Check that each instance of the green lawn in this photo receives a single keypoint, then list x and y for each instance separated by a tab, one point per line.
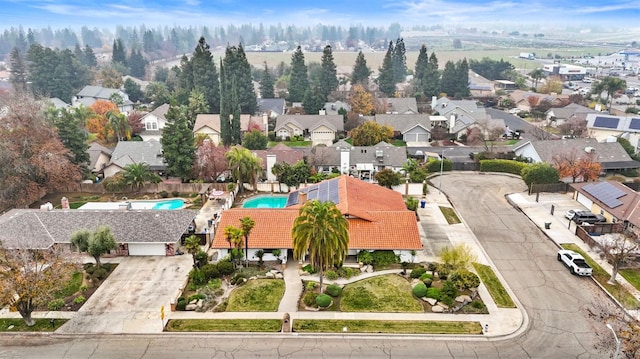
72	287
291	143
399	143
602	276
386	326
632	276
224	325
387	293
495	288
450	215
42	325
258	295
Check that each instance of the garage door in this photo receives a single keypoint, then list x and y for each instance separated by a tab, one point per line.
146	249
584	201
423	137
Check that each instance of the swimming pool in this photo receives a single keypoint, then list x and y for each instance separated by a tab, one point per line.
168	204
266	202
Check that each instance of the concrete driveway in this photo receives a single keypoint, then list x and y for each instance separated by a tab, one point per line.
129	301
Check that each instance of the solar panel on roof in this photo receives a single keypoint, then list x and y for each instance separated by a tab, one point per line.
606	193
606	122
635	124
292	199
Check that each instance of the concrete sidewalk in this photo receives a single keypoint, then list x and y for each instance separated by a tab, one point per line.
561	230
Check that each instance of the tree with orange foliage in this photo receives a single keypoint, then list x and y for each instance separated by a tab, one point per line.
361	101
98	122
569	164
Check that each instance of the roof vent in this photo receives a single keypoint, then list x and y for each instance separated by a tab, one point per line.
589	150
379	153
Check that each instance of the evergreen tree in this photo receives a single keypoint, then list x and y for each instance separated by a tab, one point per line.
449	74
385	80
178	145
70	124
313	100
238	72
420	71
431	81
201	73
299	80
267	84
361	71
328	78
118	53
89	57
225	108
462	85
399	59
133	90
18	71
137	64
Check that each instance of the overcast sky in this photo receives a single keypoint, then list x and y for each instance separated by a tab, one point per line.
76	13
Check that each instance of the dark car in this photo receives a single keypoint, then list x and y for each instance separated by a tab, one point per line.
581	217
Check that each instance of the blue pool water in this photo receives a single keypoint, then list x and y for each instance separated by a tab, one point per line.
266	202
170	204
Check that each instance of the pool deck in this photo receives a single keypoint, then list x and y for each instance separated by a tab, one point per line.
135	205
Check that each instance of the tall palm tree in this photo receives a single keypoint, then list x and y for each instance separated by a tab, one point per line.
119	124
536	75
243	165
246	224
233	235
137	174
192	245
322	231
611	85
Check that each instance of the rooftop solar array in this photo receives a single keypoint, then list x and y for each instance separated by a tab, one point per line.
606	122
634	124
606	193
323	191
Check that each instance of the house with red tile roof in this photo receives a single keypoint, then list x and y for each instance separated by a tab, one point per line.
378	220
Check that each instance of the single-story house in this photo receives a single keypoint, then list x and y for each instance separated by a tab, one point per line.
99	157
615	201
399	105
412	127
273	107
90	94
279	153
378	220
604	127
332	108
209	124
524	99
128	152
139	232
568	112
610	155
358	161
319	129
154	122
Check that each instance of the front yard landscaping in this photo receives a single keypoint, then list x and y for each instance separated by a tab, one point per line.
224	325
80	288
450	215
257	295
602	277
42	325
386	326
495	288
387	293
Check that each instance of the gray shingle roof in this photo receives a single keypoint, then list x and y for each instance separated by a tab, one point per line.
102	93
569	111
41	229
276	105
400	104
393	156
310	121
127	152
405	122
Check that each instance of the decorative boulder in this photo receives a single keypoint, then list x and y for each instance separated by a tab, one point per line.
431	301
279	276
191	307
437	309
270	275
463	299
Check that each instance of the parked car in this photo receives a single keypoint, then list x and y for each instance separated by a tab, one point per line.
581	217
570	213
575	262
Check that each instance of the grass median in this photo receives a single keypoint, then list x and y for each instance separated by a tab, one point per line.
386	326
11	325
450	215
601	276
224	325
494	286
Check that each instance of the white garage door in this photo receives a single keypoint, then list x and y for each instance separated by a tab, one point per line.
146	249
584	201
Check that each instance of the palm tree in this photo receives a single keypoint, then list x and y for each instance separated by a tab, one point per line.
244	166
233	235
246	224
192	245
278	171
137	174
536	75
611	85
119	124
322	231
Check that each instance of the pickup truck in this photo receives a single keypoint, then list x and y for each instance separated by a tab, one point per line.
575	262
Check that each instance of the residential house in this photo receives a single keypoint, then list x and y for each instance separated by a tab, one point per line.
209	124
273	107
128	152
319	129
361	162
572	111
333	108
139	232
480	86
58	103
90	94
610	155
142	83
412	127
605	127
399	105
525	100
615	201
378	220
154	122
99	157
279	153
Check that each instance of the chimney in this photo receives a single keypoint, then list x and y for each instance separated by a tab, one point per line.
434	101
452	123
265	124
302	197
322	112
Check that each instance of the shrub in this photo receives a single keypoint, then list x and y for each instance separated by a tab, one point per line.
433	293
201	258
83	288
427	282
214	283
225	267
426	276
175	193
420	290
447	300
195	297
432	266
417	272
181	304
210	271
309	299
311	286
334	290
79	299
331	275
507	166
164	194
323	300
443	272
449	289
476	304
384	258
309	269
56	304
99	274
365	257
346	272
197	277
464	279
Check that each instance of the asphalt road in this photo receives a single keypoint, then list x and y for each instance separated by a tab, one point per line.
556	303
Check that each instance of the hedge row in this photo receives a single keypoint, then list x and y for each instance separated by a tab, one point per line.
506	166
